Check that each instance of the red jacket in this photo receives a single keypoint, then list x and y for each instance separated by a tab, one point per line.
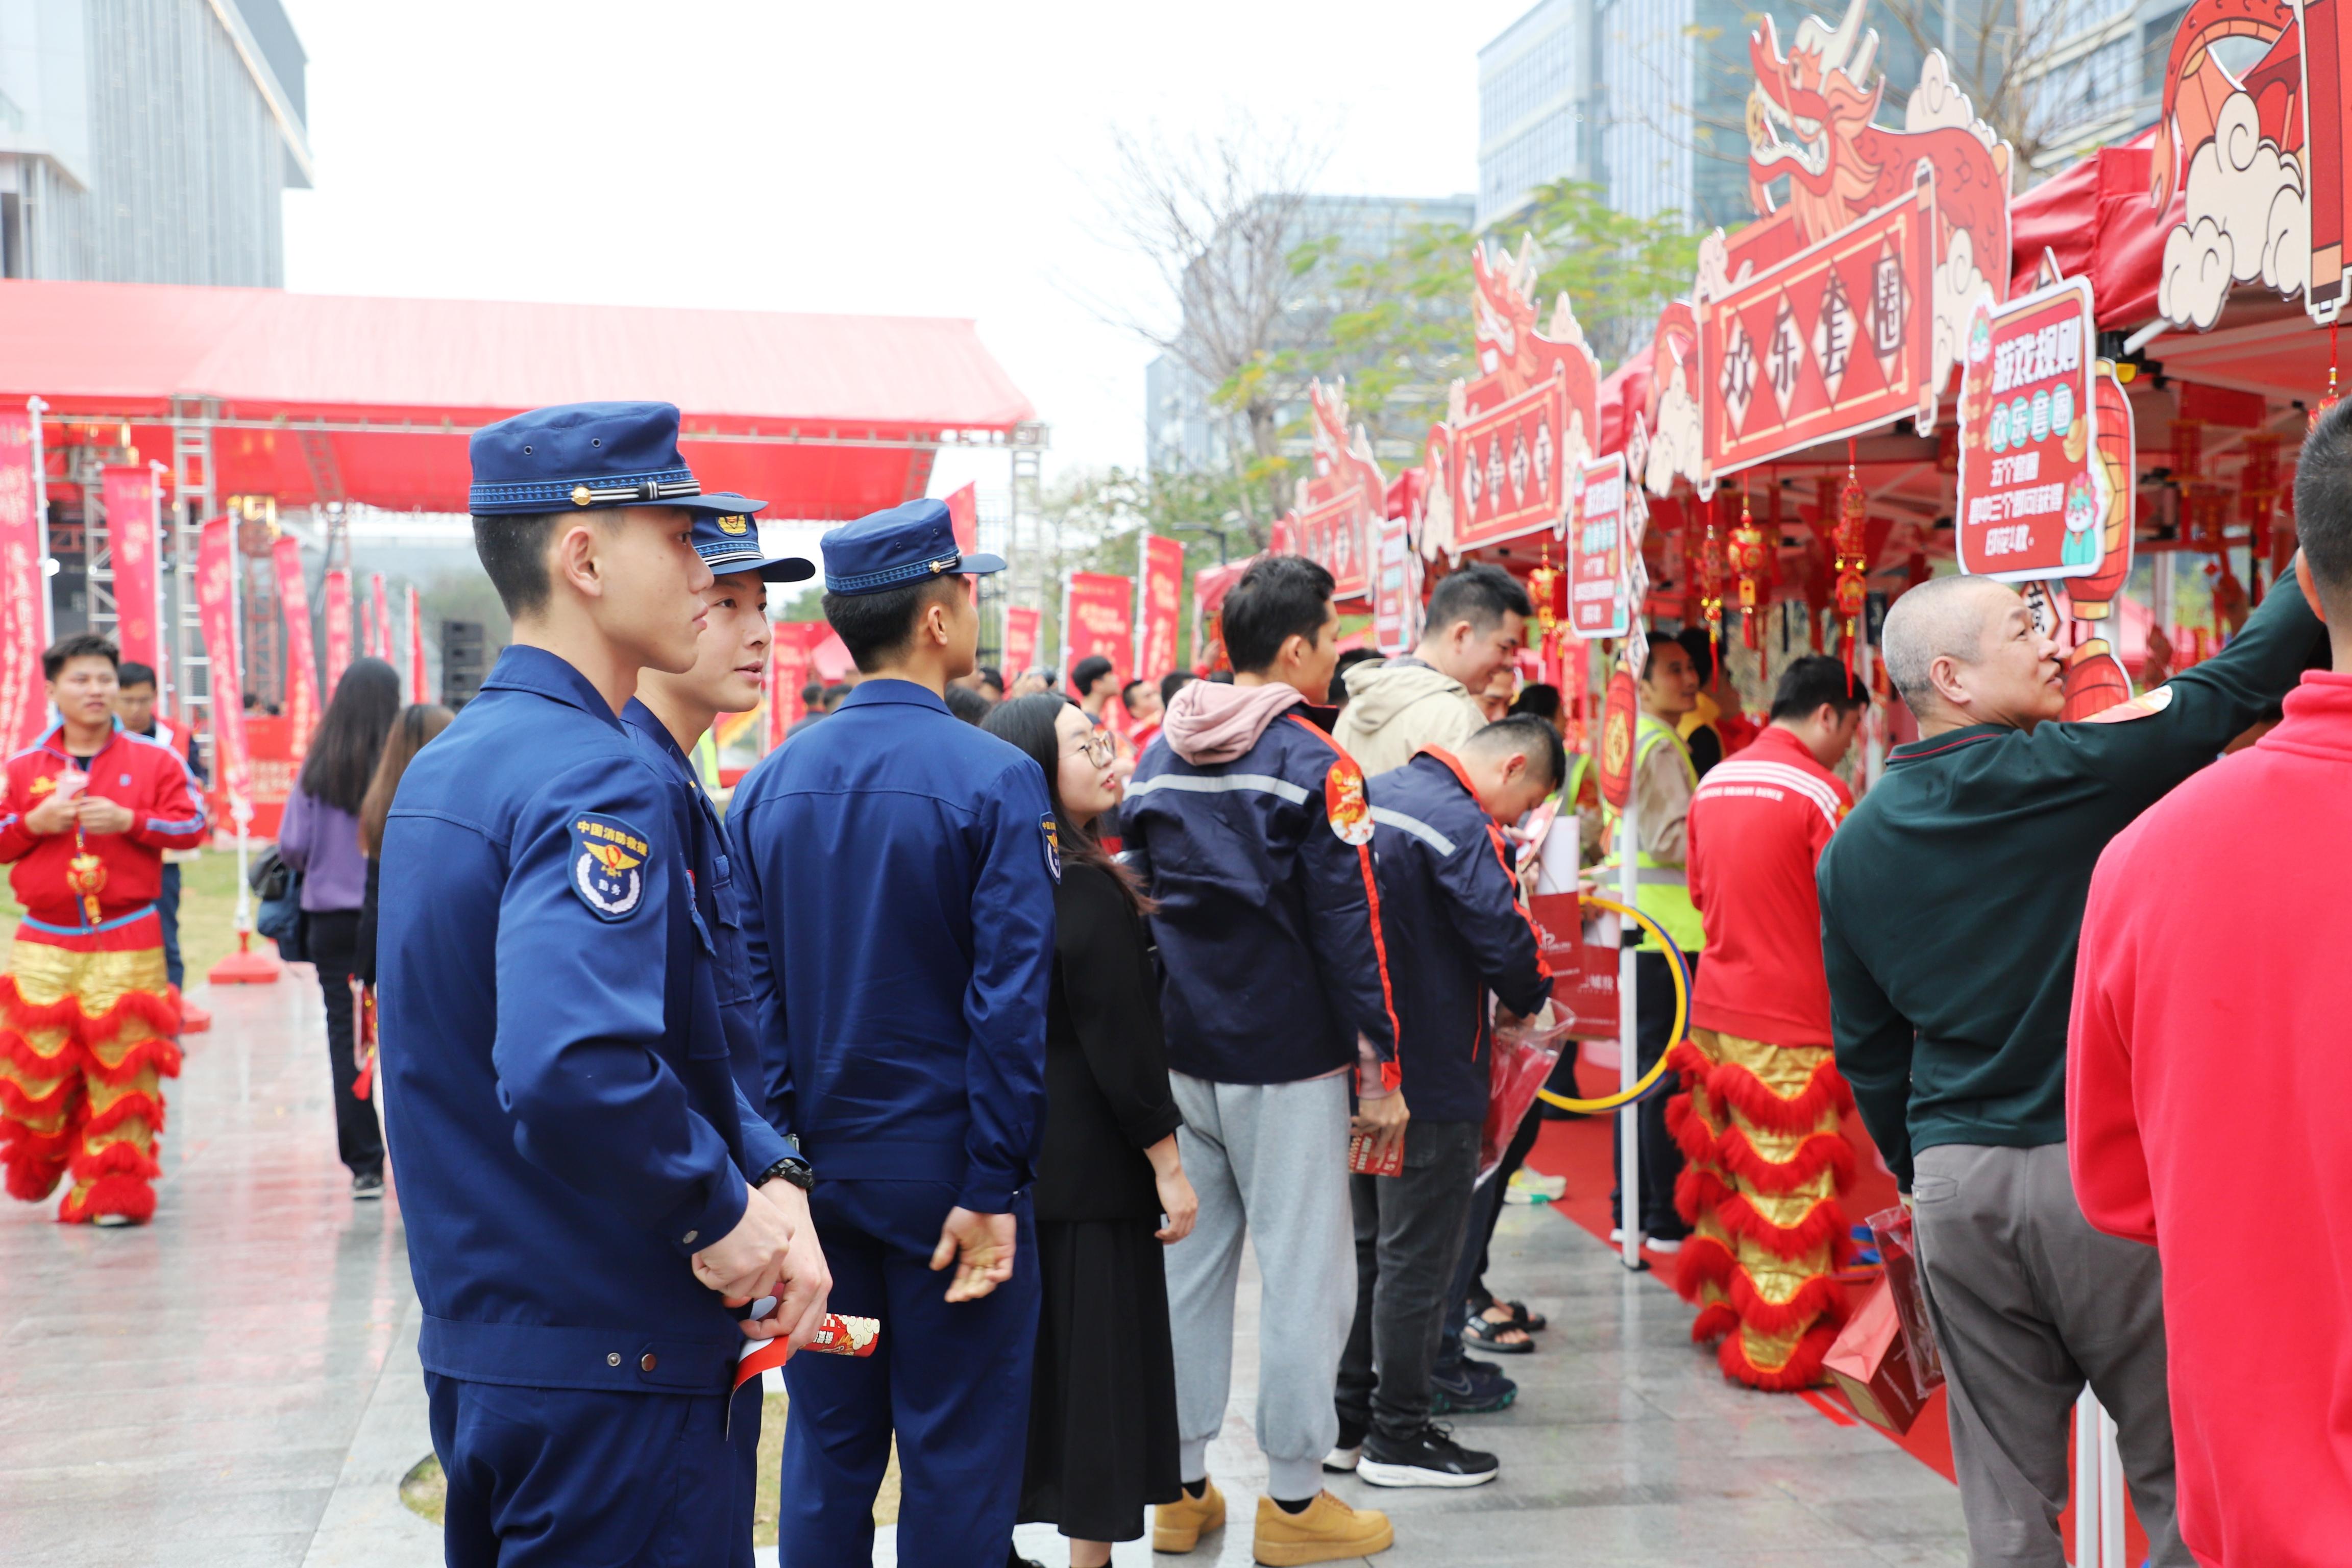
2206	1090
147	777
1757	824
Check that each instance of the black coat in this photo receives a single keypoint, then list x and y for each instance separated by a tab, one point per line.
1106	1096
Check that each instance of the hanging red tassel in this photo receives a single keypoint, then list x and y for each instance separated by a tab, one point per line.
1852	569
2319	410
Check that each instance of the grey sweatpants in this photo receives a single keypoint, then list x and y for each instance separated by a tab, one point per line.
1271	1161
2030	1303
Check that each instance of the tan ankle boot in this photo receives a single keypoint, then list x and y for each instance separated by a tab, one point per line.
1177	1526
1326	1530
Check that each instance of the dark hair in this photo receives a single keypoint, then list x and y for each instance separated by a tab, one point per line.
350	742
1701	648
834	693
1086	672
1127	693
1657	644
1540	697
418	722
990	675
1350	659
2322	499
1281	597
81	645
1028	724
1812	681
513	551
812	693
967	704
873	627
1526	733
1481	595
130	672
1174	681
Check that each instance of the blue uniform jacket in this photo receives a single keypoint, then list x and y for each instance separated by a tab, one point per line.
719	914
561	1104
1446	878
899	866
1269	923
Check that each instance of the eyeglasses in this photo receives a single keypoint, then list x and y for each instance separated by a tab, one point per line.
1101	748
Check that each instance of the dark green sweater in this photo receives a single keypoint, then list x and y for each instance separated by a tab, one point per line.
1952	897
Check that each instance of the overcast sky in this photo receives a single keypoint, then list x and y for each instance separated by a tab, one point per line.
917	159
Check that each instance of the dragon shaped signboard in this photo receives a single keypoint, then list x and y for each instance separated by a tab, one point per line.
1499	464
1336	516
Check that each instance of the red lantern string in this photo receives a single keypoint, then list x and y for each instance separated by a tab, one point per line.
1853	579
2320	410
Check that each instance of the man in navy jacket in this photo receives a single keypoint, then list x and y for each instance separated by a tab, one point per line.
1250	827
1445	879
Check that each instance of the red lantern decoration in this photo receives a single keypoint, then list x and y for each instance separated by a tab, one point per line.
1710	586
2319	410
1749	559
1853	568
2188	450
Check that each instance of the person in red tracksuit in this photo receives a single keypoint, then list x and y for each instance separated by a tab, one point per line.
87	1015
1758	1120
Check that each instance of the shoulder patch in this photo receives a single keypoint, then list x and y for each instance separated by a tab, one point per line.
1052	832
2145	705
1343	802
608	865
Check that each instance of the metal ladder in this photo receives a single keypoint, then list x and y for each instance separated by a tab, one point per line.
194	501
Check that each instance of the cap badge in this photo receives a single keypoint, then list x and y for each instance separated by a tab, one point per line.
582	495
734	525
944	564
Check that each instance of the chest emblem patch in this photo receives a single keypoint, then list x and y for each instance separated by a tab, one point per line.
608	865
1052	832
1343	802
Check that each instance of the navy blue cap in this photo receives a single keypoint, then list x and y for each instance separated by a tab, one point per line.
579	456
891	549
729	542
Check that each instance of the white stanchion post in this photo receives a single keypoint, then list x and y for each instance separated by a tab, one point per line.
2087	1417
2111	1493
1629	1063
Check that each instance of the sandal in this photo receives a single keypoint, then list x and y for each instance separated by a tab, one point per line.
1489	1336
1520	1316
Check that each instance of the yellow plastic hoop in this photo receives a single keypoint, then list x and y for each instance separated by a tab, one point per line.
1681	1019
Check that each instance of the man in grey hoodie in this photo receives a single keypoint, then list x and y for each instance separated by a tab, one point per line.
1478	620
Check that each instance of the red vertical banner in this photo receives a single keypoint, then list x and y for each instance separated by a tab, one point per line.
128	495
1020	643
1097	617
379	638
964	516
217	619
339	627
1391	616
418	691
788	671
1160	590
23	703
303	706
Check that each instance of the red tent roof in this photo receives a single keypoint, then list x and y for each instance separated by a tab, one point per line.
2095	218
816	414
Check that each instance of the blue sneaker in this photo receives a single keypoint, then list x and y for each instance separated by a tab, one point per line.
1474	1388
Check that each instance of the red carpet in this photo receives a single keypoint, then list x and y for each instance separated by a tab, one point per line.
1578	1151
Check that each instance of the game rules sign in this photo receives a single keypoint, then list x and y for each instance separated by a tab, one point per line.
2033	493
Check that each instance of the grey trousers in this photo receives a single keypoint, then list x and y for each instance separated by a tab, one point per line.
2030	1303
1269	1161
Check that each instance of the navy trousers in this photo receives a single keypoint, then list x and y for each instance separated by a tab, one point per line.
952	1381
167	915
560	1477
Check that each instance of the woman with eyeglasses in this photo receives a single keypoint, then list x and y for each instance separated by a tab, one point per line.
1111	1187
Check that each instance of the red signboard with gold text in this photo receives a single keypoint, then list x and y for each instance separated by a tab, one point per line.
1506	469
2033	493
1020	643
1159	589
1836	341
24	706
1097	617
1339	508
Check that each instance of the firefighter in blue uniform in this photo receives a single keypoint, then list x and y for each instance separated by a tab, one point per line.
901	866
589	1201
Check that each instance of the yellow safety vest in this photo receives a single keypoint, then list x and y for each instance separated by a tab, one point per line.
1661	892
705	758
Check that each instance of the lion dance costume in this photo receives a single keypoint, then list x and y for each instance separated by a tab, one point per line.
88	1019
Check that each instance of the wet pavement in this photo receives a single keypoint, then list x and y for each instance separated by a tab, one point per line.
236	1383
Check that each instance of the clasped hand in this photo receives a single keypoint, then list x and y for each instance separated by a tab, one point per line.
771	1252
95	813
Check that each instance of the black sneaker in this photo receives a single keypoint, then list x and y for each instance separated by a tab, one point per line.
368	1185
1429	1457
1345	1453
1474	1388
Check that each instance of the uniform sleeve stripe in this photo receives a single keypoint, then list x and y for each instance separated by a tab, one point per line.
1389	817
157	825
1221	784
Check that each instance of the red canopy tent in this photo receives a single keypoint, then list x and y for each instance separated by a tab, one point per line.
311	398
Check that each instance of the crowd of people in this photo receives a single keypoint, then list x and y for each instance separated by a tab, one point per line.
1005	1028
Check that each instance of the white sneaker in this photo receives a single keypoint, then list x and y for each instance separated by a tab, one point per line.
1339	1461
1656	1244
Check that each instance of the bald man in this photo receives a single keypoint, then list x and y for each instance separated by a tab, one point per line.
1951	905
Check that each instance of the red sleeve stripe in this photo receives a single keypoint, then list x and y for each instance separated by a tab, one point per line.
1495	838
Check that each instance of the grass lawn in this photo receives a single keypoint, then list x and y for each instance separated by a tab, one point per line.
424	1491
207	910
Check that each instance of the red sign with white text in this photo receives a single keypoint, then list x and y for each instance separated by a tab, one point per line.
1391	604
1097	617
379	644
1020	643
128	495
302	707
1596	578
418	691
788	671
2032	496
1159	591
1837	339
217	618
339	627
24	581
1507	467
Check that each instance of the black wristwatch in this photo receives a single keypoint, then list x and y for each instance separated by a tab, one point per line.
791	1168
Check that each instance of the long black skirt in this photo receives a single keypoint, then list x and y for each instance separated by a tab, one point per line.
1102	1412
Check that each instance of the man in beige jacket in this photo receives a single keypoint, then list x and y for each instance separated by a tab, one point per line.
1478	620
